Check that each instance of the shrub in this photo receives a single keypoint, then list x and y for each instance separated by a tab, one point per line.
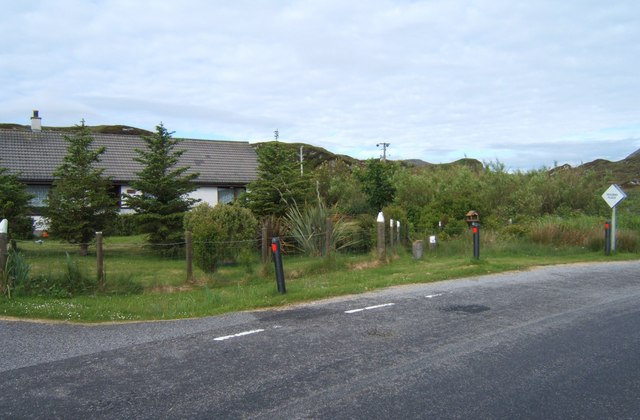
124	225
309	229
220	234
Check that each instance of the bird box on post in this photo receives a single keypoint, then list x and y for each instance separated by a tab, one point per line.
472	217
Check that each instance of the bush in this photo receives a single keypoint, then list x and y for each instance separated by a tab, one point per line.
124	225
220	234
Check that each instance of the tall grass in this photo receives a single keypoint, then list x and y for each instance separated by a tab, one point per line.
16	273
141	285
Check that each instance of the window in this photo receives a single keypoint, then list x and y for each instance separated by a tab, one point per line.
40	192
228	195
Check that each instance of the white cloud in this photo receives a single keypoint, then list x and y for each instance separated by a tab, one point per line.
437	80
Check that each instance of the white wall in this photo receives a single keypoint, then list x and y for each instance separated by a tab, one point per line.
207	195
204	194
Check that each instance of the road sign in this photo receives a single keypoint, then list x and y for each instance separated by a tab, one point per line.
614	195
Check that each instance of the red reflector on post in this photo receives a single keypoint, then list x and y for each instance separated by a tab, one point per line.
475	229
274	247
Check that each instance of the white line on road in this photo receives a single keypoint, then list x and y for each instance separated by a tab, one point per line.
432	296
353	311
226	337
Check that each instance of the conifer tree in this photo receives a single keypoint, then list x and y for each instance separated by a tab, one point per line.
162	197
79	202
279	184
14	204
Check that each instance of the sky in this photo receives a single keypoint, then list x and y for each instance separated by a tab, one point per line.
531	84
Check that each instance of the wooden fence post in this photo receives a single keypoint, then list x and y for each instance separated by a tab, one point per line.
188	249
100	261
265	243
328	236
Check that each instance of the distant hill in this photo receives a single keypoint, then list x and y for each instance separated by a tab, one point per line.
102	129
313	156
625	172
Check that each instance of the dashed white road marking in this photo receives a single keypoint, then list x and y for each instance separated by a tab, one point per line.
240	334
353	311
432	296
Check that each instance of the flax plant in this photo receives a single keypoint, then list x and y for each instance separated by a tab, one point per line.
308	227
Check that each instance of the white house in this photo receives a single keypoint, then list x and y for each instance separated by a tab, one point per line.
225	167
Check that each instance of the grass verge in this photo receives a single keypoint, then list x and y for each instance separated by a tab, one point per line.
234	288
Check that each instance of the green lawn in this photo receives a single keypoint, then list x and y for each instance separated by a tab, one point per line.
167	295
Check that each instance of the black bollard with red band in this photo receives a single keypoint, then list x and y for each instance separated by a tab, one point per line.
607	238
475	228
277	260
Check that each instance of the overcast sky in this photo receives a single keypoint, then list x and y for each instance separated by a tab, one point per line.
529	83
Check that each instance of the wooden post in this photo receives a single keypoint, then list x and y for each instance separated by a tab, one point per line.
265	243
100	261
328	236
3	252
392	227
188	249
381	244
4	230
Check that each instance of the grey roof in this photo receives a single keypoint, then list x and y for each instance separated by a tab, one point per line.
35	156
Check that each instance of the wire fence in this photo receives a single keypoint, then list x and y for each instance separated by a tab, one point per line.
173	262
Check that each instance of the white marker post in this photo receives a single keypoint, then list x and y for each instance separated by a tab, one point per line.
613	196
4	229
381	244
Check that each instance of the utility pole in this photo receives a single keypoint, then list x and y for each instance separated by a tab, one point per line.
384	150
276	134
301	160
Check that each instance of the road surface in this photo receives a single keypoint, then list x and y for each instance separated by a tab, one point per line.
554	342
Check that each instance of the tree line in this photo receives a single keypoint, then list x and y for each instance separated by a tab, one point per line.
426	199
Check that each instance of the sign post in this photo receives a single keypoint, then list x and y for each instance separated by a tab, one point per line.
613	196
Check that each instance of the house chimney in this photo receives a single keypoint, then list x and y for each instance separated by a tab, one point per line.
36	121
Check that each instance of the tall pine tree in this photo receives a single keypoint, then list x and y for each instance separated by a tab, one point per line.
279	184
163	189
79	203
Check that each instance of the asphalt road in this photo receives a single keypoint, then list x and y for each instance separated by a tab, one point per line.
556	342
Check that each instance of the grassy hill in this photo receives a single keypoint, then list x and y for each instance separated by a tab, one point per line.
625	172
102	129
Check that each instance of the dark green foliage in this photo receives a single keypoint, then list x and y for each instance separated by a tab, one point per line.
14	205
279	184
433	194
365	234
123	225
162	189
340	189
79	203
376	179
223	233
